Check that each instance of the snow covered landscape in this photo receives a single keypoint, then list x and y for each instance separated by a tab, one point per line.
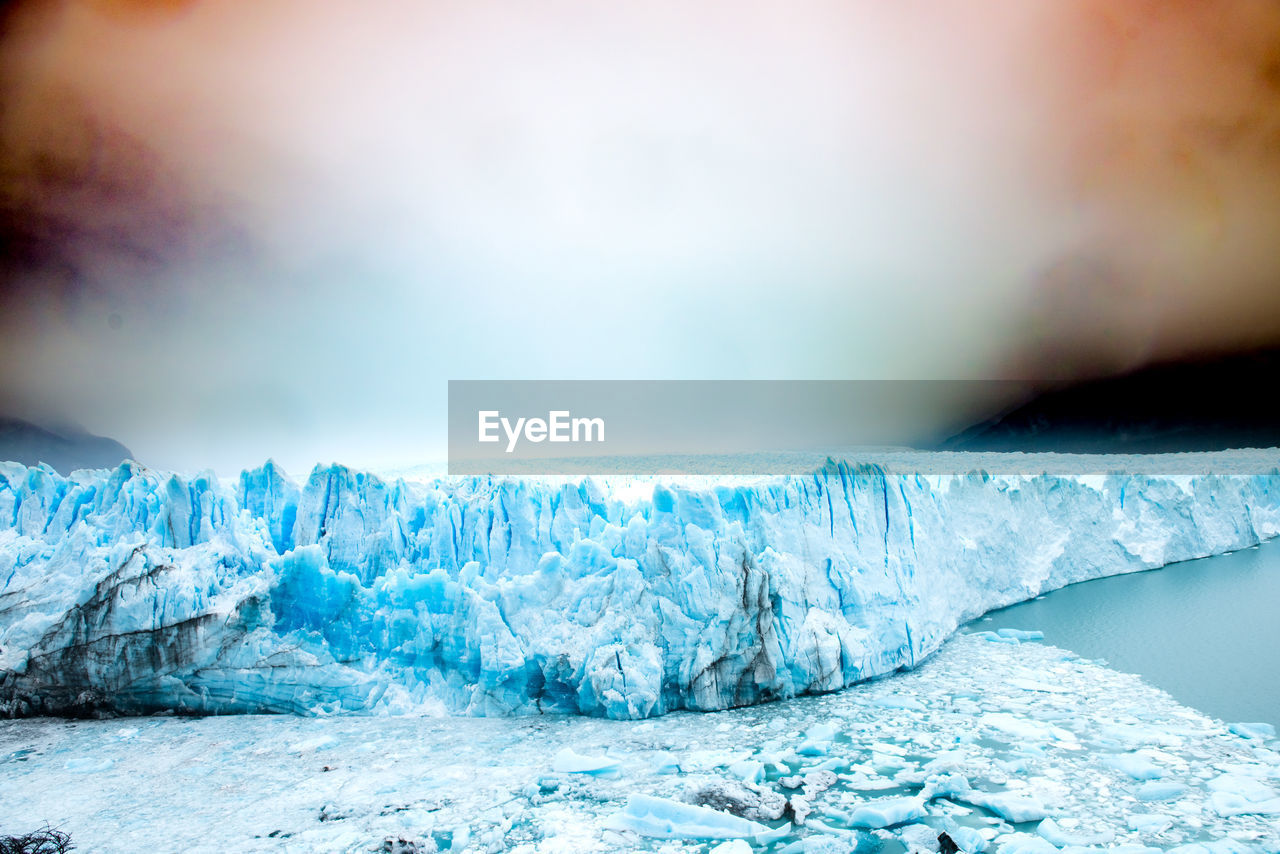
728	428
1005	746
652	659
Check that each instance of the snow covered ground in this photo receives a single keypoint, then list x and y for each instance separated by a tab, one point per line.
1013	747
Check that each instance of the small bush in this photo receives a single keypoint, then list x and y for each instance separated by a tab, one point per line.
46	840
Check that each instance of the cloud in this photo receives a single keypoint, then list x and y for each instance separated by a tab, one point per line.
306	217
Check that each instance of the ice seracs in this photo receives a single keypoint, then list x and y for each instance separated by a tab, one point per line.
136	590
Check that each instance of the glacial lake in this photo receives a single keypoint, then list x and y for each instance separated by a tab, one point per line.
1206	631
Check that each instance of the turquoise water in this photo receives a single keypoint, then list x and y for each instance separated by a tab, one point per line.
1206	631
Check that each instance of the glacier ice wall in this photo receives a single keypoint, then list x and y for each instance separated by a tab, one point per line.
134	590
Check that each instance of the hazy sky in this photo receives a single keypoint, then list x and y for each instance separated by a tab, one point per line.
248	228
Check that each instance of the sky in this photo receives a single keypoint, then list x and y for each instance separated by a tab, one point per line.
236	230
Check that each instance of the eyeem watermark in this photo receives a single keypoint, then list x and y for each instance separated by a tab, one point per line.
764	427
558	426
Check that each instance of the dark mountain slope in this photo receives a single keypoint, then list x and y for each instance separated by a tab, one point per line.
64	450
1208	405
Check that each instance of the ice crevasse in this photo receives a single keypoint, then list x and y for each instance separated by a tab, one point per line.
135	590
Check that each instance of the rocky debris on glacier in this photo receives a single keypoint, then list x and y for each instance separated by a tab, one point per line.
892	777
744	800
135	591
946	845
400	845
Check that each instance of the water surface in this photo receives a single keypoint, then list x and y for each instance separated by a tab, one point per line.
1207	631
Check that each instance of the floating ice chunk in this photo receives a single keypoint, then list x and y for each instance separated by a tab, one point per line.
1149	822
817	740
800	808
1133	736
1220	846
316	743
666	819
823	827
969	840
1035	685
995	638
748	770
954	786
1063	838
1020	634
1020	728
1161	790
733	846
910	778
1137	767
707	760
1261	731
898	701
1025	843
814	780
1007	805
808	845
860	781
888	812
885	762
89	764
664	762
1246	787
948	760
817	781
567	761
1228	804
919	837
773	835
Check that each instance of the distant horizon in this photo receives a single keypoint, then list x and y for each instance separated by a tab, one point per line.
1174	407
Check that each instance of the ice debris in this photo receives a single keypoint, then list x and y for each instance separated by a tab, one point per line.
526	785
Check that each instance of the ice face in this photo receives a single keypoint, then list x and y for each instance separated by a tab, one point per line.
137	590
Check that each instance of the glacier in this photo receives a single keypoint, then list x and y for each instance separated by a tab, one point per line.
134	590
